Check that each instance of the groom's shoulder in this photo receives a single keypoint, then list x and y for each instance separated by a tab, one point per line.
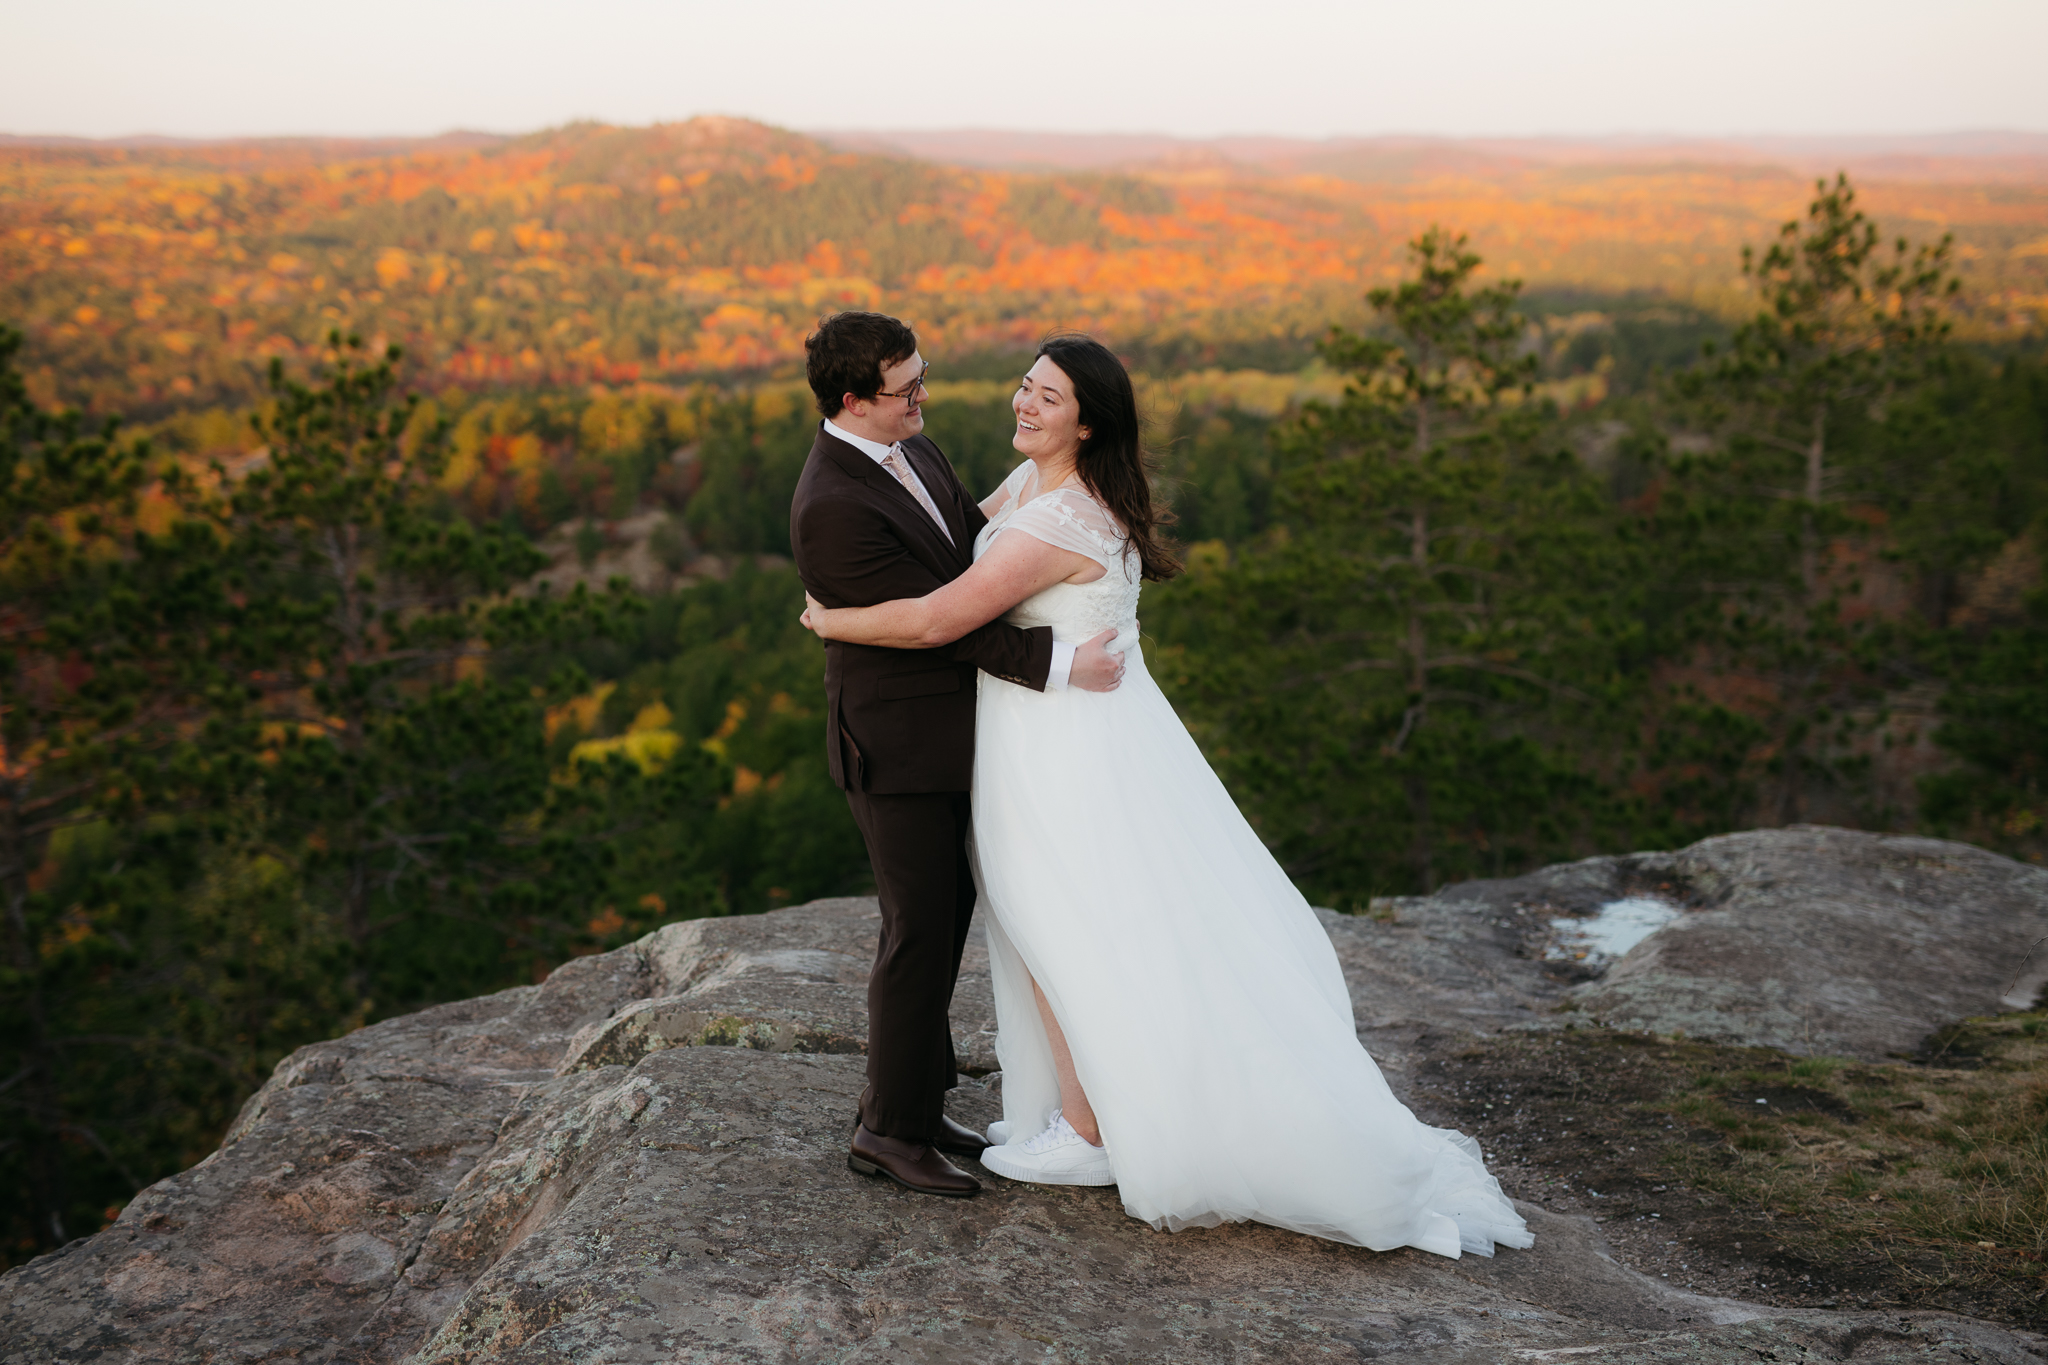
824	463
924	445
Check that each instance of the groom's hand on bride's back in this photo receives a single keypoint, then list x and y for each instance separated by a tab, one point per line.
1096	668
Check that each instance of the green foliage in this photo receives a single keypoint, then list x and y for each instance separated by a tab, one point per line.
1067	210
1477	633
263	969
1768	535
740	679
1994	652
1959	470
1842	328
1218	474
1378	681
1996	719
1633	342
366	613
750	455
97	680
533	460
273	771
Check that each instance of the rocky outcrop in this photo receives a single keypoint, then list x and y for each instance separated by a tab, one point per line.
1813	940
1830	942
643	1160
796	981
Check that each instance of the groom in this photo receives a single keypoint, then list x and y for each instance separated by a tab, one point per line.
878	515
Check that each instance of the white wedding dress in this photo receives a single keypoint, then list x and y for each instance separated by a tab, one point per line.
1207	1015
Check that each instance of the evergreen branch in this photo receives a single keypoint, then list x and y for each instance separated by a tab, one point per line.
143	1042
1484	665
93	1139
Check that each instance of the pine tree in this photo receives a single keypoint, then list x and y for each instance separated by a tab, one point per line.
272	770
1761	535
101	671
1387	668
397	753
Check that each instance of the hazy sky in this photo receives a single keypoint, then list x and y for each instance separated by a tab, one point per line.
1193	67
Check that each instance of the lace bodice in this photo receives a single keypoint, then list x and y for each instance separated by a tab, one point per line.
1069	519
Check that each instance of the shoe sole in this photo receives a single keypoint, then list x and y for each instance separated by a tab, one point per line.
859	1167
1050	1177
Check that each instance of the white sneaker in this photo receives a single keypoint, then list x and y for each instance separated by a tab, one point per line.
1057	1156
999	1132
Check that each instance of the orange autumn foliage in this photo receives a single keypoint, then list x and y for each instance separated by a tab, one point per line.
154	278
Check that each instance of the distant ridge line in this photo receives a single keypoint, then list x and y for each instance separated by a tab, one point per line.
1989	156
1995	154
1073	150
456	139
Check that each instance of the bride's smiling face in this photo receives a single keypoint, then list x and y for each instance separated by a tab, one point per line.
1048	417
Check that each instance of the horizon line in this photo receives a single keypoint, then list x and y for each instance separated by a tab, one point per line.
1611	135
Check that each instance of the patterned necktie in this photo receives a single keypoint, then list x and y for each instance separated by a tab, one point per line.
897	463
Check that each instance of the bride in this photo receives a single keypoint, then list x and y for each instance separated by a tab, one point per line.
1171	1015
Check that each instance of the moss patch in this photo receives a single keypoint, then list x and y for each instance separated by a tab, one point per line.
1743	1171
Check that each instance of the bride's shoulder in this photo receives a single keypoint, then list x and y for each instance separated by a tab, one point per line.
1074	510
1076	499
1068	502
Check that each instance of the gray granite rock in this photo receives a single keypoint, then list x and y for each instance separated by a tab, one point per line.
643	1160
1809	939
1831	942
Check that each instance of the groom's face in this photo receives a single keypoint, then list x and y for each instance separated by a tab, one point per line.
899	414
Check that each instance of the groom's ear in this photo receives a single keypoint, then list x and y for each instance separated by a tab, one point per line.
854	404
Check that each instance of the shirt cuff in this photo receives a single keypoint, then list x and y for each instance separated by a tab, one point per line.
1062	666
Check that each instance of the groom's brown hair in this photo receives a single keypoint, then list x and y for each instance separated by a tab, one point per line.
848	353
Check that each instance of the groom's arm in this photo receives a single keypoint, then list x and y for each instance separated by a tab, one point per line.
1011	653
848	556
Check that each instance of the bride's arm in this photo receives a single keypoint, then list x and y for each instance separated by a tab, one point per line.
1014	568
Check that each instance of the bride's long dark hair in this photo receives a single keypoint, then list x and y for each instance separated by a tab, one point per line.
1113	462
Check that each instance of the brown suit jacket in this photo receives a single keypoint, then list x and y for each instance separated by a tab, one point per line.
899	720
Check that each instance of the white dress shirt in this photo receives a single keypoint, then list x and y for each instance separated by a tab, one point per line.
1062	653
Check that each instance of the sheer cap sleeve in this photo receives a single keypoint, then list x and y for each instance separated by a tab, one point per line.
1068	519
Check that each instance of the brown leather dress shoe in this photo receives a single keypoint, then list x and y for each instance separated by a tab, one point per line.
956	1138
913	1165
959	1139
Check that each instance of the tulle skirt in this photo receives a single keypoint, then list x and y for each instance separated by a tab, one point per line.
1202	1000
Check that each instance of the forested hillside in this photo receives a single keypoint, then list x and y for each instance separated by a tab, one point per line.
319	702
156	278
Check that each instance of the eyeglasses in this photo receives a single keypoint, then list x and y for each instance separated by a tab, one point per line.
909	391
